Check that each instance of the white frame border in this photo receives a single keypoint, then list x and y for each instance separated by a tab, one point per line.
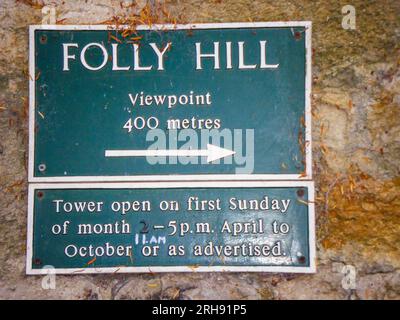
186	177
234	184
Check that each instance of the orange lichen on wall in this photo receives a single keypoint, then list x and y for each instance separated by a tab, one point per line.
369	215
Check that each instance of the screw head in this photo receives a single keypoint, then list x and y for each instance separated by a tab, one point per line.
301	259
300	192
43	39
37	262
42	167
297	35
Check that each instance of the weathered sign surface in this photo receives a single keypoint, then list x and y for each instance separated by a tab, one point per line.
186	102
170	226
173	105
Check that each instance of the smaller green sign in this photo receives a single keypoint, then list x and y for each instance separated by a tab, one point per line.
149	227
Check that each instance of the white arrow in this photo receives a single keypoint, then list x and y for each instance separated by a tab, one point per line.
212	153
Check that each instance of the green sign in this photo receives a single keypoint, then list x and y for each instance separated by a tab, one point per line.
192	102
127	133
160	227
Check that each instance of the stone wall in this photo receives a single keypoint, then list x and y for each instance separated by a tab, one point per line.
356	150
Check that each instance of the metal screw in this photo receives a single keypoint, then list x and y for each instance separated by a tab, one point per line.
302	259
40	194
37	262
297	35
300	192
42	167
43	39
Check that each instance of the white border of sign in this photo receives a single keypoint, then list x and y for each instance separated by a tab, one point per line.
196	177
227	185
